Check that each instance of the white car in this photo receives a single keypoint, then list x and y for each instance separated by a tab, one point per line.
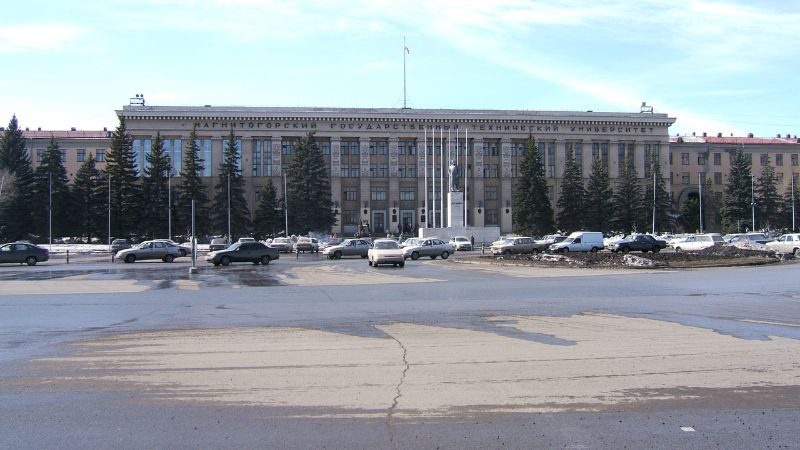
461	243
787	243
698	242
386	251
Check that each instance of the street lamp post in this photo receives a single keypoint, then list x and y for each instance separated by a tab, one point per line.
753	200
108	174
230	238
285	207
50	208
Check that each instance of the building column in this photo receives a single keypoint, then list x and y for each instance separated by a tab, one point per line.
365	181
336	182
393	199
613	159
477	195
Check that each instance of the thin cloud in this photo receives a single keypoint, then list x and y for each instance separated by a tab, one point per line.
26	37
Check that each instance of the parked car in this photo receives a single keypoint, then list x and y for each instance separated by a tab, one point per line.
330	243
751	238
218	244
696	242
580	241
787	243
150	250
119	244
306	244
253	252
185	249
348	247
543	244
461	243
431	247
638	243
284	245
21	252
386	251
515	245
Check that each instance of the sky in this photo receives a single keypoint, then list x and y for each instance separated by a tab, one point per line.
726	67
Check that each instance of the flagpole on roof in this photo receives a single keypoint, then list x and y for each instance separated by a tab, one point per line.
405	51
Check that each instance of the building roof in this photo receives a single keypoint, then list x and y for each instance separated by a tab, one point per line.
737	140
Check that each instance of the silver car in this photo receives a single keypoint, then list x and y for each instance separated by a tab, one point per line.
284	245
150	250
431	247
348	247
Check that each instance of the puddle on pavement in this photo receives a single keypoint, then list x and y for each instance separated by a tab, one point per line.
161	278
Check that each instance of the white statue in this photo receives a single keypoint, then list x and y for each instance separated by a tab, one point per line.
454	173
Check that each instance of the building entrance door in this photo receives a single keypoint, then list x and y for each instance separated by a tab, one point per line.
379	222
407	221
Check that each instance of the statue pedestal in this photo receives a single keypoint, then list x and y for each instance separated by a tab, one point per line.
455	209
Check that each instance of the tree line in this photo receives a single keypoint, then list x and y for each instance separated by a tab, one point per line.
119	202
629	206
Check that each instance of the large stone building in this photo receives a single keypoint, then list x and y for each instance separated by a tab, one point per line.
377	164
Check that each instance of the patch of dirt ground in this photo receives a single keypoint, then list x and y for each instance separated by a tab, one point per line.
718	256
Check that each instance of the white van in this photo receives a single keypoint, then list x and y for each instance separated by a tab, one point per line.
580	241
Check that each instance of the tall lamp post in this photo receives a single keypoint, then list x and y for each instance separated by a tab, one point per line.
108	174
50	208
230	238
753	200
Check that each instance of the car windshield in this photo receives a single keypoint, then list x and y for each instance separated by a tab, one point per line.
235	246
383	245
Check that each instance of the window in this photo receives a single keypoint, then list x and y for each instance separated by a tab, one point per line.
685	177
205	152
577	152
701	159
383	170
81	157
517	148
514	173
717	177
344	171
550	193
779	159
685	159
600	151
262	158
717	159
355	171
350	194
491	148
349	216
378	193
141	147
173	149
324	147
373	148
763	158
794	159
407	148
407	171
491	171
39	155
373	170
407	194
287	146
63	155
490	193
100	155
551	159
779	177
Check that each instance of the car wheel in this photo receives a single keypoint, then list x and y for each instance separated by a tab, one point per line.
565	250
677	249
364	256
445	255
265	260
169	259
337	255
130	259
183	253
225	261
370	263
594	250
506	252
31	260
656	249
534	251
796	252
402	264
433	256
624	249
216	264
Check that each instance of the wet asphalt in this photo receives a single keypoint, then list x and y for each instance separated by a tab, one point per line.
744	302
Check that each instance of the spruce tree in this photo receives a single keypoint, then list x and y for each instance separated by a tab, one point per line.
229	195
155	193
310	207
268	213
89	197
533	212
125	189
191	188
16	172
627	203
570	202
598	206
768	201
689	219
663	202
51	190
736	201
